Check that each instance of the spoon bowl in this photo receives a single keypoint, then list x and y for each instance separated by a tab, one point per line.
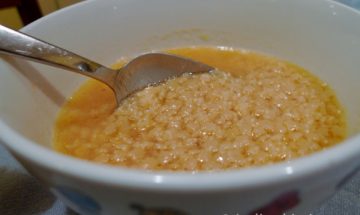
143	71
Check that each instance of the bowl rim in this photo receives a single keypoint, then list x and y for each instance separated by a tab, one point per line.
245	178
106	175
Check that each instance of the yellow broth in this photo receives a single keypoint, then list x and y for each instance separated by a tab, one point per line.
255	110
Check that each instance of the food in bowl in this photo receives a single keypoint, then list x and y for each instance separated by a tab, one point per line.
253	110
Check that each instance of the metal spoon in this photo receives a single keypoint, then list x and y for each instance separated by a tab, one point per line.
139	73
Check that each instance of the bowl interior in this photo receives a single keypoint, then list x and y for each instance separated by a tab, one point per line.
321	36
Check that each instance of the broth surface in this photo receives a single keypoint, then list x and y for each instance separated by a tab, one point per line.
255	110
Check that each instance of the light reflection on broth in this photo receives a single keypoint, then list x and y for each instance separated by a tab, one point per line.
255	110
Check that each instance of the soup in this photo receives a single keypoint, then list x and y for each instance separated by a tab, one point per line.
253	110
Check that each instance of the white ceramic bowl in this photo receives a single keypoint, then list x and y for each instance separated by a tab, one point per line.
319	35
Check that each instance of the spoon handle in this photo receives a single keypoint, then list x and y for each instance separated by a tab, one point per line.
19	44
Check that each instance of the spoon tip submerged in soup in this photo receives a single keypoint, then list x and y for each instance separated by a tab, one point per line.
253	110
